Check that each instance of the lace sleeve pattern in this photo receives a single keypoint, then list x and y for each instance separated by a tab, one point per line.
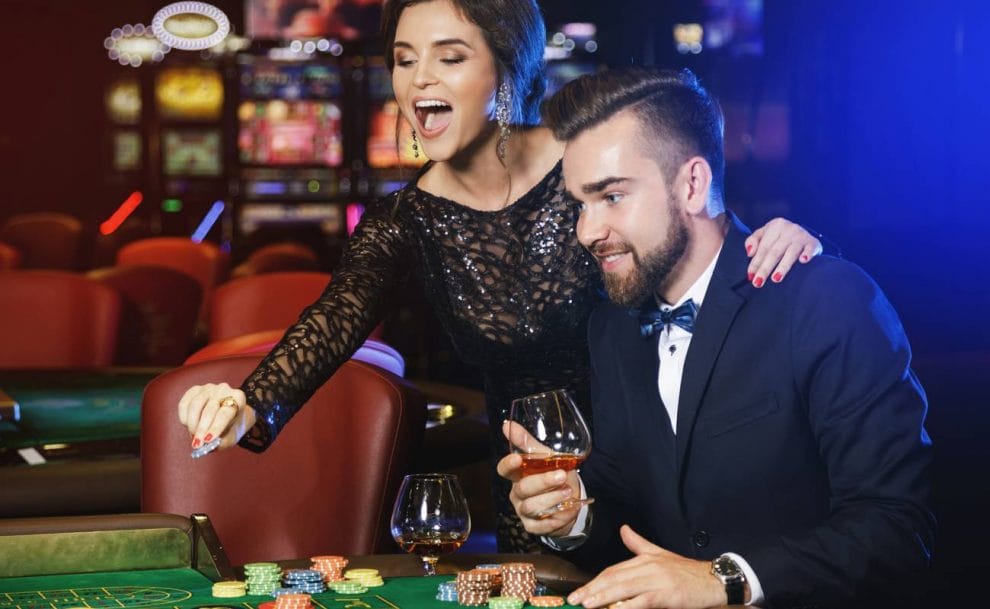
330	330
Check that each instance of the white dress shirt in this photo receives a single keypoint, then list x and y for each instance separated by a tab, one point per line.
672	349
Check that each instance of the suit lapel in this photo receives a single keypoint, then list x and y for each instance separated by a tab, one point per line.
721	305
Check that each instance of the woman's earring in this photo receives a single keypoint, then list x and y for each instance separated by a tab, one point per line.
415	145
502	112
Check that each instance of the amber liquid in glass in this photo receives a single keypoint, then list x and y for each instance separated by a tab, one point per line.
538	463
428	546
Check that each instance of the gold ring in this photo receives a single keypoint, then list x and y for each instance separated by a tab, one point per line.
228	402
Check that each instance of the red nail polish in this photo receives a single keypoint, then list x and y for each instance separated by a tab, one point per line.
195	442
208	437
758	282
777	277
749	249
804	258
750	275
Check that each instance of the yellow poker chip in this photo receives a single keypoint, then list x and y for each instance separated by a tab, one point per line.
360	572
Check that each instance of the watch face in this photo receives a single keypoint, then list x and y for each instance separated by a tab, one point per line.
725	567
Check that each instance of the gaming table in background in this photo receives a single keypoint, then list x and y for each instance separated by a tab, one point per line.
74	446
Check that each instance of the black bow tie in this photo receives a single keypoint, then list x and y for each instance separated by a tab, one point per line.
653	321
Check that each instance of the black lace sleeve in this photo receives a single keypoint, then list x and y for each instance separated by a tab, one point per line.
330	330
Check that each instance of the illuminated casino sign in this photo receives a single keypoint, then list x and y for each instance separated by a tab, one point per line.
133	45
190	26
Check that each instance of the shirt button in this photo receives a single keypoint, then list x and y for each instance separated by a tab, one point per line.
700	539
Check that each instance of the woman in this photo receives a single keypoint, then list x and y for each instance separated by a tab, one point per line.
485	226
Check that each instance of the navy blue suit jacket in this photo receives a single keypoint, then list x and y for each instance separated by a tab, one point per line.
800	442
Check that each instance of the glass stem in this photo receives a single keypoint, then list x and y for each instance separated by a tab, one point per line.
430	565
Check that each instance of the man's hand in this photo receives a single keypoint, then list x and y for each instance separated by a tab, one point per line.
533	494
653	578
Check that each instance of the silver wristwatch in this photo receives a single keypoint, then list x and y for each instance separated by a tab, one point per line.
732	577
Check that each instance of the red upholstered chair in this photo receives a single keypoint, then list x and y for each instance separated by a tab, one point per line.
10	258
372	351
325	486
278	257
46	240
55	319
262	302
204	261
159	309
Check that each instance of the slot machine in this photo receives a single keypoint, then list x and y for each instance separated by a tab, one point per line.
290	150
190	162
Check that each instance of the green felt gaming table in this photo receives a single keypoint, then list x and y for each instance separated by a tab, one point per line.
70	440
163	561
84	409
189	589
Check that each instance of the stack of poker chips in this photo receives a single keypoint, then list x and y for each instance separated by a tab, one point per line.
447	591
262	577
473	587
546	601
306	581
293	601
369	578
331	567
229	589
518	580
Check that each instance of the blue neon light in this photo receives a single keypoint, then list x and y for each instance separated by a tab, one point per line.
208	221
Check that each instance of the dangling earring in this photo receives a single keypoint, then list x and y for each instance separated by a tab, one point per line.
415	145
502	113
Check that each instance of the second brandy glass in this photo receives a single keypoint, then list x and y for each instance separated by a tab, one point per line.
430	517
549	432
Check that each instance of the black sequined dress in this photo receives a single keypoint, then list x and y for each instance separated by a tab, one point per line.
513	288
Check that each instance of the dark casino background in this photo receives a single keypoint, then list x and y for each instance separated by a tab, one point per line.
868	121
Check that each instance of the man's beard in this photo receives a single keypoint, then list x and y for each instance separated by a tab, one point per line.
648	273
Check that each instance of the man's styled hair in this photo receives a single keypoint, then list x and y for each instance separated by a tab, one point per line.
680	118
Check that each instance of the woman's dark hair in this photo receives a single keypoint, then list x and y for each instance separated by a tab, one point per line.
516	35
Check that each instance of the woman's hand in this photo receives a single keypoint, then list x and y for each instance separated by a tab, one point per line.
775	248
215	411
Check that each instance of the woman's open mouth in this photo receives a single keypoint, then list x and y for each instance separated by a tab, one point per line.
433	116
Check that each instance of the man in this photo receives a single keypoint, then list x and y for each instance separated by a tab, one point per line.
769	449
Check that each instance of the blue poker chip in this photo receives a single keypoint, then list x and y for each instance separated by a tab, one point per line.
302	575
540	589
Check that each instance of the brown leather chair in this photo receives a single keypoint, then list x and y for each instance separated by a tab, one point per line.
278	257
326	485
46	240
204	261
55	319
262	302
372	351
159	309
10	257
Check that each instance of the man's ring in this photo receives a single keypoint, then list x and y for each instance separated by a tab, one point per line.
228	402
